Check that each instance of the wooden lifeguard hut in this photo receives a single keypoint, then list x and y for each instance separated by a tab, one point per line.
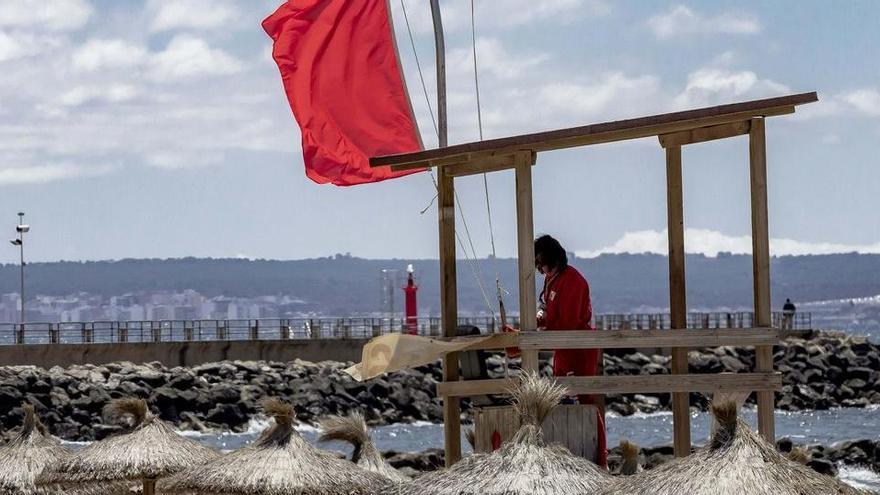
674	131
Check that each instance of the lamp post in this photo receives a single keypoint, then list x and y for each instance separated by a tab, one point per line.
21	228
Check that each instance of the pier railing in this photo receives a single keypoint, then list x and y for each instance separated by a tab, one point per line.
331	328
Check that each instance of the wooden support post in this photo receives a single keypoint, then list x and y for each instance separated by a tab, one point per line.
681	418
449	311
525	240
761	269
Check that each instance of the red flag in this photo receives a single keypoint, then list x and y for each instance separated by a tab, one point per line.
340	71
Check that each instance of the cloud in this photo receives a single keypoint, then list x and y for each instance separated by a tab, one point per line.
861	101
114	53
681	21
496	15
493	59
193	14
36	174
113	93
513	13
591	98
712	242
710	86
866	101
18	45
183	159
188	57
51	15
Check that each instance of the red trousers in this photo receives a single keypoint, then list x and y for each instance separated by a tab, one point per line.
584	362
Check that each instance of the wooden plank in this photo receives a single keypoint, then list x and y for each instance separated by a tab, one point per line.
624	339
610	131
468	164
525	241
494	341
628	384
491	164
703	134
761	268
681	418
474	158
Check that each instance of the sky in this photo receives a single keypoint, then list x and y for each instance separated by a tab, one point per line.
160	129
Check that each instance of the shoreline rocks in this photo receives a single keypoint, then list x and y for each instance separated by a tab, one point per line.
826	370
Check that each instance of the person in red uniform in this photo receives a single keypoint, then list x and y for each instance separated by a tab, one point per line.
565	305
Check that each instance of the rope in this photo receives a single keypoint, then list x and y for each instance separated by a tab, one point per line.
498	288
412	43
472	262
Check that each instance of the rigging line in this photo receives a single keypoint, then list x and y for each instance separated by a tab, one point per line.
498	289
412	43
474	264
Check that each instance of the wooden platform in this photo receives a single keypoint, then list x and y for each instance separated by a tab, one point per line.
674	131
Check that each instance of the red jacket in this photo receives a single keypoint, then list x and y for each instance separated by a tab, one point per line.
567	306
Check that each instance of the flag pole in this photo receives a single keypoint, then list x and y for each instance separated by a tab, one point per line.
440	49
448	283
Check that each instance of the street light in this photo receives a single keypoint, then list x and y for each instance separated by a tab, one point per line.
21	228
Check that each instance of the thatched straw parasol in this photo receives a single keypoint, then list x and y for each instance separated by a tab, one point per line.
523	465
353	429
471	436
630	453
735	461
150	450
279	462
28	454
799	455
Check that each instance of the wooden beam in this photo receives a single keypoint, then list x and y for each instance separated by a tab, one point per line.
449	308
703	134
475	157
492	164
681	415
625	339
761	268
627	384
608	131
525	241
494	341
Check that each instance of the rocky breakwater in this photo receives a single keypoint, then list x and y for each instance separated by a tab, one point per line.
821	372
219	396
824	371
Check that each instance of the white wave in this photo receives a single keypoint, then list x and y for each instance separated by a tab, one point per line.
419	424
859	477
638	415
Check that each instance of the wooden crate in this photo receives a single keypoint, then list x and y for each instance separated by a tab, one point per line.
571	425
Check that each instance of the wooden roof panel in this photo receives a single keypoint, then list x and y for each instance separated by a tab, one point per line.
599	133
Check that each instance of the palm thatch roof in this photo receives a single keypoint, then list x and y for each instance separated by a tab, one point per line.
736	461
630	453
150	449
27	455
353	429
279	462
523	465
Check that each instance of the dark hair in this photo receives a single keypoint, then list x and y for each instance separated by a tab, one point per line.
550	252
